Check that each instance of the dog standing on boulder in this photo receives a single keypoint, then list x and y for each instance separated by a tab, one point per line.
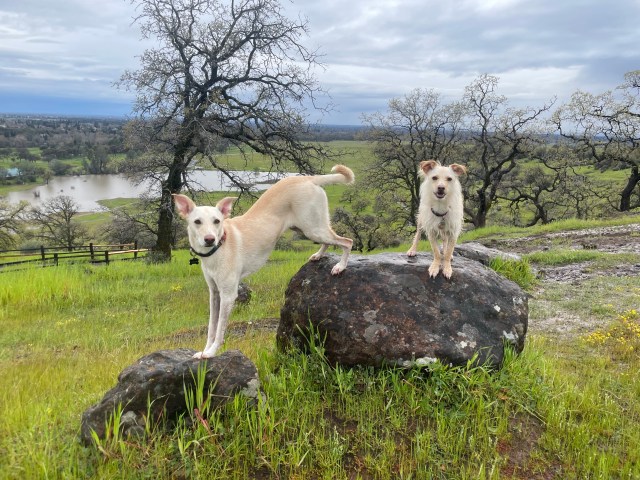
440	214
232	248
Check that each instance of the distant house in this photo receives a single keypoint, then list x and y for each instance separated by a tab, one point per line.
13	172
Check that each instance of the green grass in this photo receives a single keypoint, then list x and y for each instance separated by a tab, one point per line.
562	409
517	271
563	256
566	256
502	231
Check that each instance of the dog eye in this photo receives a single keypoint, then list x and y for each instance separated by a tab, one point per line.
435	177
449	179
197	221
216	221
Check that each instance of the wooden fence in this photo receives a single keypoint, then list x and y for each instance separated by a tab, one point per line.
53	256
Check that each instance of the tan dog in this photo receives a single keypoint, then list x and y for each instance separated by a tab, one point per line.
232	248
440	213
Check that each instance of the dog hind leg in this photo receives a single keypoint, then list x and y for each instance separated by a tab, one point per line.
327	238
320	253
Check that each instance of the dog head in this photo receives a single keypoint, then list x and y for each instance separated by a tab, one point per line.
204	224
441	178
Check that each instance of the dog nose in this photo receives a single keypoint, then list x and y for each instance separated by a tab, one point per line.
209	240
440	190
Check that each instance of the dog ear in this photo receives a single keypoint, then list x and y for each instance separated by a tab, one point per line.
458	169
225	205
184	204
427	165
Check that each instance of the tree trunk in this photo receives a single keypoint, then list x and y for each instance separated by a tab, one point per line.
165	221
632	182
480	217
173	184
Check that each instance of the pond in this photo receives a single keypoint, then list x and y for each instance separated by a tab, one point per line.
87	190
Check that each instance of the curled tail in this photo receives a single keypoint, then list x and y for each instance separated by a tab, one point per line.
342	174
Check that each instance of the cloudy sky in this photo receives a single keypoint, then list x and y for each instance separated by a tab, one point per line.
62	57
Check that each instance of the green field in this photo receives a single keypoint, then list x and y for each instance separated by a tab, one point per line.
564	408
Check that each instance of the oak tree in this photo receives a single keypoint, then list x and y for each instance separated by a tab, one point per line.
605	128
224	72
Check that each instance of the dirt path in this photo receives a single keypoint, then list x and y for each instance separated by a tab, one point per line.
579	298
619	239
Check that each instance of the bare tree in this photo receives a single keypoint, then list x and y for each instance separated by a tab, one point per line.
537	191
11	222
418	126
55	225
137	223
367	220
224	71
606	129
499	137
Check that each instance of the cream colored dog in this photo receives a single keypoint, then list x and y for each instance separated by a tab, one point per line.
232	248
440	213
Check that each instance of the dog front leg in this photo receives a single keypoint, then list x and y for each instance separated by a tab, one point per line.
434	269
227	300
214	307
416	240
448	245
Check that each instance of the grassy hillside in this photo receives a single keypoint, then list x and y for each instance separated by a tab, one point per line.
567	407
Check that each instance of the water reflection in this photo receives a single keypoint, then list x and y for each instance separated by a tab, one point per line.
87	190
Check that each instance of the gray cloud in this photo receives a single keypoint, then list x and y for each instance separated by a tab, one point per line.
374	50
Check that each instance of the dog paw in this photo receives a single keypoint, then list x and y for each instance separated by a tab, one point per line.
434	269
337	269
411	253
315	257
447	271
205	354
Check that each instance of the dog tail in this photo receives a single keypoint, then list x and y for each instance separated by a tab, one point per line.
341	174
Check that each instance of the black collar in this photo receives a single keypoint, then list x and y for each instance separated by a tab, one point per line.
438	214
213	250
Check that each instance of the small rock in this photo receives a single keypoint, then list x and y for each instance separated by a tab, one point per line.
152	389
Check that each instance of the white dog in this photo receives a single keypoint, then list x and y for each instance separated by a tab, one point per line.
232	248
440	213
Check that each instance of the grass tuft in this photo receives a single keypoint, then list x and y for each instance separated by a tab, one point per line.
518	271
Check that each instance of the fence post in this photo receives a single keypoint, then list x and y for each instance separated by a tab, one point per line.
91	250
42	253
55	259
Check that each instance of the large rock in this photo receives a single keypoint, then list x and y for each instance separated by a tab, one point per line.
161	378
385	309
485	255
